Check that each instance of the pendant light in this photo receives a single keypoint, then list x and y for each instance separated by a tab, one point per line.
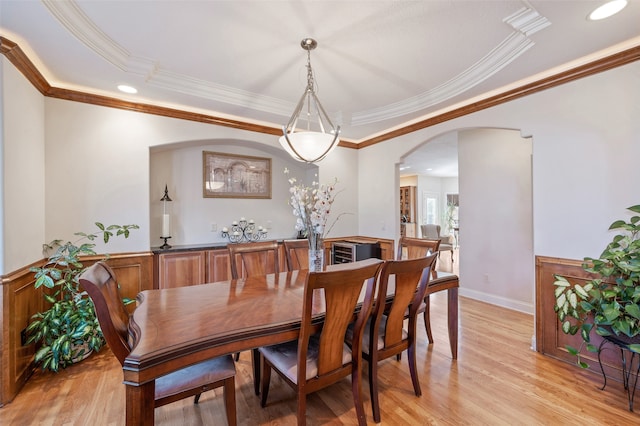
317	135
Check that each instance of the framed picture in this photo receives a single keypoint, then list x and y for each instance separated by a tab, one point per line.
235	176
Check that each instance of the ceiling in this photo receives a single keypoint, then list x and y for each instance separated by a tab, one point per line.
379	64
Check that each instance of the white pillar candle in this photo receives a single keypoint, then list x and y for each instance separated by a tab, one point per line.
251	221
235	222
165	226
225	229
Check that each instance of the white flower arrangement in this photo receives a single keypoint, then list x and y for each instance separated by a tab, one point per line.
312	207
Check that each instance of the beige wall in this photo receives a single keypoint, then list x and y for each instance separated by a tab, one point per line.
496	258
586	142
22	152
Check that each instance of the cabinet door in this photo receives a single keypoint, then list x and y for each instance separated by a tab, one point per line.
219	267
181	269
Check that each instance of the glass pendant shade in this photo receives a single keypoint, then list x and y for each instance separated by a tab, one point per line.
309	146
317	136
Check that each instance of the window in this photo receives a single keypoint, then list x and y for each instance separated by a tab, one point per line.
430	208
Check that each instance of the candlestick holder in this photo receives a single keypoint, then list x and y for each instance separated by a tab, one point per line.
166	218
165	245
244	231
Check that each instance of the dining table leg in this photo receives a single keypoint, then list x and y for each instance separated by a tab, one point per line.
140	401
255	360
452	319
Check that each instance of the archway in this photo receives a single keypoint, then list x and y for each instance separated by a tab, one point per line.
495	214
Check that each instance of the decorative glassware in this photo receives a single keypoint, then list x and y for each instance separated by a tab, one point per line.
316	253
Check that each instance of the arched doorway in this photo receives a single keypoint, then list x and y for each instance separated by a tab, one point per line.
495	255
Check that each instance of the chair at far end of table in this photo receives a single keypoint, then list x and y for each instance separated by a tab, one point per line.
417	247
249	260
296	253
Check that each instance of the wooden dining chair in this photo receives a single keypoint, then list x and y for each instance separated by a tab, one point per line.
418	247
412	248
252	259
320	356
100	283
297	254
384	335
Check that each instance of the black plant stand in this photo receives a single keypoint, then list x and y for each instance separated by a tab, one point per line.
627	370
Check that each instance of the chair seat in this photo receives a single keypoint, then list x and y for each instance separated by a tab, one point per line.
446	247
284	357
365	335
195	376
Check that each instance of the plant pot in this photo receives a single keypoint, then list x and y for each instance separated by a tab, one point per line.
81	355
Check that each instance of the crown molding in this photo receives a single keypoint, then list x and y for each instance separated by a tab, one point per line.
71	16
600	65
17	57
525	22
501	56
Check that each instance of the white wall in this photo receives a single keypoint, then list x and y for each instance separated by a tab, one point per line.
586	145
101	157
192	214
22	170
497	263
586	142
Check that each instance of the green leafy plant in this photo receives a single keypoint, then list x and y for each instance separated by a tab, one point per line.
610	303
68	329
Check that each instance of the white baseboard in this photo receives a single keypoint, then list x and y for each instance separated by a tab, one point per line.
516	305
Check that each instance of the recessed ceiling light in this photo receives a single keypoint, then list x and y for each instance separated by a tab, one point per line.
607	9
127	89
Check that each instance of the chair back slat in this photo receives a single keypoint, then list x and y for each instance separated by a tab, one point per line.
297	254
100	283
342	289
259	258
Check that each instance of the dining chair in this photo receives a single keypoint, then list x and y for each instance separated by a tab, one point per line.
100	283
320	356
251	259
384	335
410	248
296	253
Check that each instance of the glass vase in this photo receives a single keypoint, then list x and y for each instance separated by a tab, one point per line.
316	253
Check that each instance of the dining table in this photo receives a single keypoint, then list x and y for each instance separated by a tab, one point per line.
176	327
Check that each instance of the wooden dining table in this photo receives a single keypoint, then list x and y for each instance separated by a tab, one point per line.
176	327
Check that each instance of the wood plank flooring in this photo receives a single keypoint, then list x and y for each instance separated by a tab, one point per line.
497	380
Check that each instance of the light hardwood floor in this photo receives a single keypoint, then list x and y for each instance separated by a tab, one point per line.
497	380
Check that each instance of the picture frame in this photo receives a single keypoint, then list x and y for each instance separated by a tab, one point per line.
235	176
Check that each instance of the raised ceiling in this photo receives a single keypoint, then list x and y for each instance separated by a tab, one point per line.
379	65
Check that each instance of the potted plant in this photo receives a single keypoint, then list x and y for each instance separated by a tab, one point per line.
68	330
609	303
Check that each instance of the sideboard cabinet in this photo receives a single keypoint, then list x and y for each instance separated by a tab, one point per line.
187	265
192	267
